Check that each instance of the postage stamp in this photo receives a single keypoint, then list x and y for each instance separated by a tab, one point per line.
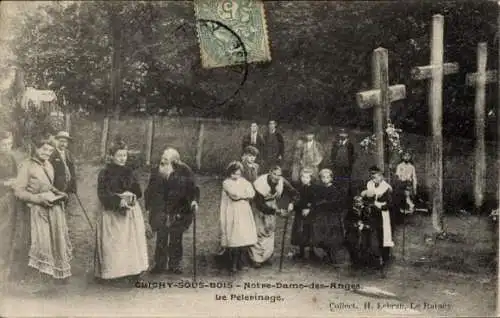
229	31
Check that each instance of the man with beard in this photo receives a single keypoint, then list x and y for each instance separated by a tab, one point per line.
63	163
171	199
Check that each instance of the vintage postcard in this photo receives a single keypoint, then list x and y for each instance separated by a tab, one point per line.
155	161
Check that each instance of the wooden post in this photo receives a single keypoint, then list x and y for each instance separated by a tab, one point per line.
435	71
380	81
479	80
199	147
67	122
104	137
149	139
380	99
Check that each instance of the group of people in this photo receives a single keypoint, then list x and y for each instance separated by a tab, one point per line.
36	195
33	203
326	216
35	198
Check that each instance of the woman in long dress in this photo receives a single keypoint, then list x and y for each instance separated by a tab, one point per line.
50	250
8	209
328	214
121	247
301	228
237	223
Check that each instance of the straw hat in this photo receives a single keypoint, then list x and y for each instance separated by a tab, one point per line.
63	135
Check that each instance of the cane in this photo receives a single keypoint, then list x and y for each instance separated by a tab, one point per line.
194	243
84	211
404	236
282	256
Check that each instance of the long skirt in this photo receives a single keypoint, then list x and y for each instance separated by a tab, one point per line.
51	250
266	227
301	230
327	230
237	223
363	246
121	245
14	230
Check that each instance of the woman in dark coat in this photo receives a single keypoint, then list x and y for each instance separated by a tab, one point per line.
301	228
13	224
121	248
327	229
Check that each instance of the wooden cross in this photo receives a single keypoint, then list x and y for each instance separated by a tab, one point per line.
380	98
435	72
479	80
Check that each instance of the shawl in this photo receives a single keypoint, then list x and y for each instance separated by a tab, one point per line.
262	186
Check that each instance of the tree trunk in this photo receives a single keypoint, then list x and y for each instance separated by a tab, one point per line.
116	60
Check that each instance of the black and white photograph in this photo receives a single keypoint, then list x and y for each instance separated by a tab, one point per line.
249	158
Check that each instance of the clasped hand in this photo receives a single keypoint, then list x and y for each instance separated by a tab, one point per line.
305	212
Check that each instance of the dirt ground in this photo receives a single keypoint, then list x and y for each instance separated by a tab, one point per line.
458	276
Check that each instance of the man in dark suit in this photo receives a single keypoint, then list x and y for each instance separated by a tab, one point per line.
253	138
342	158
63	163
171	198
274	148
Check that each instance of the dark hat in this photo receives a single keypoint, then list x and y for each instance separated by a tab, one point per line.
374	169
251	150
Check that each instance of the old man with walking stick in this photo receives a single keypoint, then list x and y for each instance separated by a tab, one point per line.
171	198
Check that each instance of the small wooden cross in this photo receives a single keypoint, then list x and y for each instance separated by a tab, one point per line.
380	98
435	72
479	80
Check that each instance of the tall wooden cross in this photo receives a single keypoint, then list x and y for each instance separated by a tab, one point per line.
435	72
479	80
380	98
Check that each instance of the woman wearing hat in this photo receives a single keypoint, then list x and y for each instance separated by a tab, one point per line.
50	251
380	193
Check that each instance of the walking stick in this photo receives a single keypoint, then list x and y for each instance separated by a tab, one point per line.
404	236
194	244
282	256
84	211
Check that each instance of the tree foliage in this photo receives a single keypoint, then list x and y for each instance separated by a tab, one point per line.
321	55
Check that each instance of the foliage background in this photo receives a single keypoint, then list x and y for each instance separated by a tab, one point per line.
321	55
